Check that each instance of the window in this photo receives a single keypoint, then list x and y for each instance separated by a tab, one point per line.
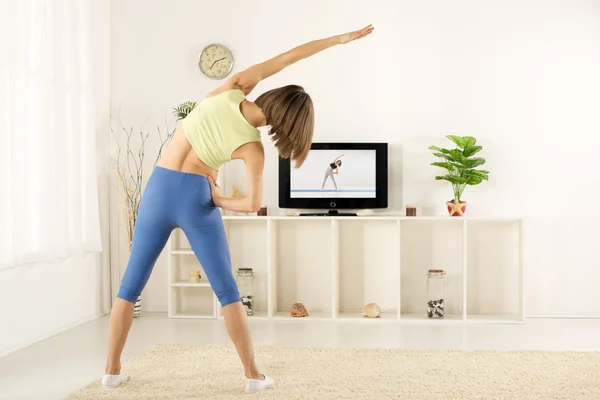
49	201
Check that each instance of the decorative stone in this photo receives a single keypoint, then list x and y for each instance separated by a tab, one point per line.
248	303
298	310
435	308
372	310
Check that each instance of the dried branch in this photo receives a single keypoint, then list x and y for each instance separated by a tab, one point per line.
129	163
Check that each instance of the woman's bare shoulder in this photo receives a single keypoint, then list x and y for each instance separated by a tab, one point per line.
250	152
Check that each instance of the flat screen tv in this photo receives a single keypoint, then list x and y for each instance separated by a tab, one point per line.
336	176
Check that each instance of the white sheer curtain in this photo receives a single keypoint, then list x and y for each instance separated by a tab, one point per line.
49	202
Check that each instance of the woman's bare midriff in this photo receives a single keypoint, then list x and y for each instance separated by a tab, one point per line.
180	156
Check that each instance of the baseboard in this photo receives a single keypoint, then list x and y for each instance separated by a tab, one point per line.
48	335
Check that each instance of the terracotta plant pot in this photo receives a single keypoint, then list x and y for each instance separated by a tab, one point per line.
456	208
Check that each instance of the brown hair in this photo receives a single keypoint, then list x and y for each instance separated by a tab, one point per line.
290	114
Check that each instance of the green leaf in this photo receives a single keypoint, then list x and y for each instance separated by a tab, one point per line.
473	162
456	166
476	174
445	151
472	150
444	156
468	142
455	180
456	139
462	142
473	180
457	156
182	110
446	165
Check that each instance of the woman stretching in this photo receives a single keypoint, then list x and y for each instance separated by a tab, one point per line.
182	192
332	169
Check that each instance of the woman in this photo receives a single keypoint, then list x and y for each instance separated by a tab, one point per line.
332	169
181	192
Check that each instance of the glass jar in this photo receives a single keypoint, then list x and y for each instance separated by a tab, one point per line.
435	293
245	282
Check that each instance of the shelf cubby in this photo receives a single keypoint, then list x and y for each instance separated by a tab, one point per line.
247	240
431	244
368	267
187	302
494	273
185	262
187	299
303	266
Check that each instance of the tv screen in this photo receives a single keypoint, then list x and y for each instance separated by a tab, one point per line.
336	176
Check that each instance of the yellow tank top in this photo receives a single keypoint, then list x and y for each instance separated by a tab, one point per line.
216	127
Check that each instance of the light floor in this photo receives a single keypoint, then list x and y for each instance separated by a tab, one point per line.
57	366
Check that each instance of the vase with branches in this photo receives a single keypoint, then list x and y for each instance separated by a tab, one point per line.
460	163
129	164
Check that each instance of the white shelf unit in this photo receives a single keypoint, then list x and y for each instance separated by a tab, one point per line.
336	265
187	299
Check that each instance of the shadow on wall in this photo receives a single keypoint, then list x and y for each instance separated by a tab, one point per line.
395	177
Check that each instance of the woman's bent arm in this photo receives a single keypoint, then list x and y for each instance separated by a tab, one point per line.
253	156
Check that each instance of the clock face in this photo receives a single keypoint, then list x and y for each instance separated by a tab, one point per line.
216	61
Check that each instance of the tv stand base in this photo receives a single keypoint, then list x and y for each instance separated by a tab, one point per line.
330	213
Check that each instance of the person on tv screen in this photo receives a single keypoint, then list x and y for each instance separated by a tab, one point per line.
332	169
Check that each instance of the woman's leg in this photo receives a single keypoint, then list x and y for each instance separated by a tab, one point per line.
152	230
149	240
203	226
121	317
333	180
238	328
327	173
209	243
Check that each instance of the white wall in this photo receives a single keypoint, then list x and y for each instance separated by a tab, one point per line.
521	76
40	300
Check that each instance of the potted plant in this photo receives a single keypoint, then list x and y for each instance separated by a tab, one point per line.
182	110
461	166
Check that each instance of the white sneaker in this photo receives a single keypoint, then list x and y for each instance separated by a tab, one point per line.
256	385
113	381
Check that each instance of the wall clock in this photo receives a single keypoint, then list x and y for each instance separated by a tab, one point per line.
215	61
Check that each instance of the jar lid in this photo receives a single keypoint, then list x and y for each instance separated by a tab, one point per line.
436	270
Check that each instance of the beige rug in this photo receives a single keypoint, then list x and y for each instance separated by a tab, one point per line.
213	372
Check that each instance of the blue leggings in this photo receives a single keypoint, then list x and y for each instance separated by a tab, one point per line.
179	200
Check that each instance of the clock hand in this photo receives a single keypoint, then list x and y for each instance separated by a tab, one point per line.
217	62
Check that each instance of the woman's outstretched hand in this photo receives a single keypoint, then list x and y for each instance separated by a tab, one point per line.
351	36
